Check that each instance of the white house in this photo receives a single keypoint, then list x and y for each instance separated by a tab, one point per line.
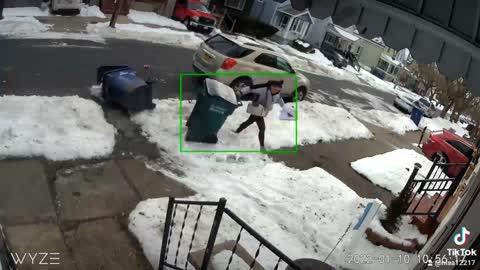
292	24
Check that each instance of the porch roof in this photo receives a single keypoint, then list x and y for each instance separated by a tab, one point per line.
344	34
303	15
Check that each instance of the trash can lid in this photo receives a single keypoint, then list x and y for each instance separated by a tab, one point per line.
216	88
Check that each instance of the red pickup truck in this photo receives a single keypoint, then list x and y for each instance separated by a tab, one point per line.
195	15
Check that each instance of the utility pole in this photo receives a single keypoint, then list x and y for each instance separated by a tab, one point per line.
113	20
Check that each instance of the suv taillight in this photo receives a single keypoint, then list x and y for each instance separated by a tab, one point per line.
228	63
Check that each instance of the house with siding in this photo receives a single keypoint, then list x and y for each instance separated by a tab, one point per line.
292	24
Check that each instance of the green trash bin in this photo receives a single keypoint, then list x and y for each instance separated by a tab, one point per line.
215	102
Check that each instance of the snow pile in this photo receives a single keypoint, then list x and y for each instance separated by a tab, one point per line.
268	204
396	122
153	18
391	170
25	12
301	43
316	122
31	28
58	128
143	33
438	123
18	26
91	11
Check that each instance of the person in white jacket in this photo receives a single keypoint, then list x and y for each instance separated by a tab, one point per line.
264	97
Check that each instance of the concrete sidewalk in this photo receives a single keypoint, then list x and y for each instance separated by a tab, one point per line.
78	214
77	24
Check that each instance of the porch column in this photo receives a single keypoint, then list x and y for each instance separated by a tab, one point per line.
286	30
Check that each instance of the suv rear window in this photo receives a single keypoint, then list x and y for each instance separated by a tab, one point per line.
273	61
425	102
464	149
227	47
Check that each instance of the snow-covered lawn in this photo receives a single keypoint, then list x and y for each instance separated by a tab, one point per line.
316	122
144	33
31	28
153	18
25	12
396	122
21	26
438	123
391	170
58	128
304	213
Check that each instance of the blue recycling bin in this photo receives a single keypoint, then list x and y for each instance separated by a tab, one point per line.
416	115
122	86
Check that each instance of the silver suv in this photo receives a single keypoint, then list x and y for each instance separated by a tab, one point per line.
242	55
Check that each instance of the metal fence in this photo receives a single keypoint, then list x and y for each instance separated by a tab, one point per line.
6	260
201	257
429	194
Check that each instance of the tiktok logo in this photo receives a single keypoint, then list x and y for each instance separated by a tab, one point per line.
460	238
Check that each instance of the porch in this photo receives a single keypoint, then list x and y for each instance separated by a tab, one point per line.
293	24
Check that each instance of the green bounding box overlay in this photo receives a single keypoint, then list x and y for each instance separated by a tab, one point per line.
180	111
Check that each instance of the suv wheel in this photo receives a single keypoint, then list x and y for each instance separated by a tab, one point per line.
187	22
441	158
302	93
240	83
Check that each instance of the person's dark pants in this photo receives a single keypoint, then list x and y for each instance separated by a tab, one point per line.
261	127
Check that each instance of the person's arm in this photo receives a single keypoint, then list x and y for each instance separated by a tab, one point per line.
245	90
280	101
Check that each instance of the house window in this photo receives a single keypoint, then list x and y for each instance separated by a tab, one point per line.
383	65
282	20
297	25
462	148
236	4
330	39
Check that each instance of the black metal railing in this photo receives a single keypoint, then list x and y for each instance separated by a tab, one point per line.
429	194
201	258
6	260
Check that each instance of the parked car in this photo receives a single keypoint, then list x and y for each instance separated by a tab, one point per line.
195	15
6	261
406	103
73	6
449	148
334	55
226	53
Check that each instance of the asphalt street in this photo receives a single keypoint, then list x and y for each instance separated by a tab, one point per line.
68	67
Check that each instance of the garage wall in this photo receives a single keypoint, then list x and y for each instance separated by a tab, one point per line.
370	53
